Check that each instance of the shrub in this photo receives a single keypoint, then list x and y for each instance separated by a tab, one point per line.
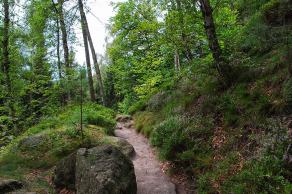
137	106
157	101
145	121
287	93
102	121
168	136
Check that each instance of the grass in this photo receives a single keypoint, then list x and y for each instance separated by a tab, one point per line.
43	145
223	136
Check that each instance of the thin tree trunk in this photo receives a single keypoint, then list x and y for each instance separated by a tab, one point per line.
210	29
186	46
65	44
176	61
87	56
64	35
63	96
97	70
58	50
6	61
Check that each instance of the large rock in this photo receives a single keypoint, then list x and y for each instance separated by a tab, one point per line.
9	185
34	141
104	170
123	145
64	176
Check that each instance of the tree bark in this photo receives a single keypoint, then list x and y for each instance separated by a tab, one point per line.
96	65
58	50
64	36
176	61
210	29
6	62
61	25
87	56
186	46
65	44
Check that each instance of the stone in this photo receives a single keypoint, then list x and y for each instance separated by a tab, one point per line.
9	185
33	141
64	175
123	145
123	118
104	170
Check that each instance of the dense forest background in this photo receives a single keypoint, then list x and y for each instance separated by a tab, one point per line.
208	81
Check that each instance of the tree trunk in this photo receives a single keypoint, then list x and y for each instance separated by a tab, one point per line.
176	61
63	96
58	50
210	29
6	61
97	70
64	35
65	44
87	56
5	45
186	49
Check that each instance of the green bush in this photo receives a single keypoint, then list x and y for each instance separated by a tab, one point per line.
102	121
168	136
137	106
287	92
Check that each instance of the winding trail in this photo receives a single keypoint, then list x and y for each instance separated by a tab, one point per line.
149	176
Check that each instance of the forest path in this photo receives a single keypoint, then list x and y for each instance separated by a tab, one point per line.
149	176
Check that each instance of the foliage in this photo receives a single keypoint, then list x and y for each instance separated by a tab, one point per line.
44	144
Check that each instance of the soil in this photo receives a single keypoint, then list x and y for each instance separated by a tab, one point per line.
149	175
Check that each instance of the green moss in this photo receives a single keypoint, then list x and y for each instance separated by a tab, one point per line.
43	145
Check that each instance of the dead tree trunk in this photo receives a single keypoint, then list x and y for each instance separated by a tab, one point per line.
96	65
87	56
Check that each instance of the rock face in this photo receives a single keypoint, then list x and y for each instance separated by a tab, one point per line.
104	170
64	176
124	146
9	185
100	170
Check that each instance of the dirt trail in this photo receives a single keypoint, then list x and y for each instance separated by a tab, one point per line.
150	178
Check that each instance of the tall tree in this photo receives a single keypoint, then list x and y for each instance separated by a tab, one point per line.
64	36
40	81
61	25
58	50
210	29
184	38
6	59
5	45
96	65
87	56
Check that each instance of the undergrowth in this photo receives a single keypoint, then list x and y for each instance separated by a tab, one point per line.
223	136
55	137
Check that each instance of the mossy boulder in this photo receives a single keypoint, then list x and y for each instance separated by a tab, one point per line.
105	170
123	145
9	185
64	176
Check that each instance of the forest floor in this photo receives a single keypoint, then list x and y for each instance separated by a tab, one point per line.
148	169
